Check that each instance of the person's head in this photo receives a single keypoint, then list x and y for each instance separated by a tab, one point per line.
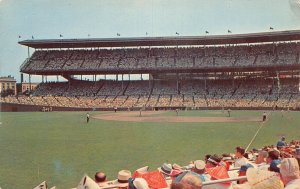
100	177
289	170
192	180
213	161
261	157
199	167
297	153
239	152
274	165
227	158
273	155
188	181
283	138
242	172
206	157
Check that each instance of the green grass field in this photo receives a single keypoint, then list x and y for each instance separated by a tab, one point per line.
60	147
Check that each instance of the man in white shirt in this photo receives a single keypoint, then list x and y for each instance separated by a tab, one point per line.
239	155
261	160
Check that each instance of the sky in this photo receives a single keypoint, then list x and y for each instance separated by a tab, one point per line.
48	19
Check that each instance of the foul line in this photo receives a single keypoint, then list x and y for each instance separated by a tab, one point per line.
257	132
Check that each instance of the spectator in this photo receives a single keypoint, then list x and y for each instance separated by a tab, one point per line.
239	155
289	170
100	178
297	155
188	180
199	170
261	160
213	161
281	143
206	157
273	160
242	172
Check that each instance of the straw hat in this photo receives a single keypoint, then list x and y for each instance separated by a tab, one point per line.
199	164
261	179
123	177
165	168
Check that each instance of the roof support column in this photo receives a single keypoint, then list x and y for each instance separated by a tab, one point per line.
29	78
177	83
122	83
28	53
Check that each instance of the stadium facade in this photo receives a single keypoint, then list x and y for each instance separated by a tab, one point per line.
244	71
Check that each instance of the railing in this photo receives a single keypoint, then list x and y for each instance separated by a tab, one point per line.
204	183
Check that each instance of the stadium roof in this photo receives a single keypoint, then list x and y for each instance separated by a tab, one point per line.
165	41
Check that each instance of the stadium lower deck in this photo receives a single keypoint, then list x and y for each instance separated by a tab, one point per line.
238	93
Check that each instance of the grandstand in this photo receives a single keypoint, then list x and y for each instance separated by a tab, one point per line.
241	71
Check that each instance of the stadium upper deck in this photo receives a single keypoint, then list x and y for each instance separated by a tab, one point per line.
256	52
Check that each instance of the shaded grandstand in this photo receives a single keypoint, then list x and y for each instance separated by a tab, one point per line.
243	71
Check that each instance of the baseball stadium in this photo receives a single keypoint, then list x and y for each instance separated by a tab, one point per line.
191	96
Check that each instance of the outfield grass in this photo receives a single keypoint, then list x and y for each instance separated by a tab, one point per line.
60	147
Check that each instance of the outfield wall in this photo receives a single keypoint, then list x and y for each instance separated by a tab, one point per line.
10	107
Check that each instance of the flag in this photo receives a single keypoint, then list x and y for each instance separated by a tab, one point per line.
229	31
118	34
206	32
177	33
271	28
60	35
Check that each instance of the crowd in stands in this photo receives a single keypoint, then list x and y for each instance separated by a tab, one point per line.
271	167
241	93
162	58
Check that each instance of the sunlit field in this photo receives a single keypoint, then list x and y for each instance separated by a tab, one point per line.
60	147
